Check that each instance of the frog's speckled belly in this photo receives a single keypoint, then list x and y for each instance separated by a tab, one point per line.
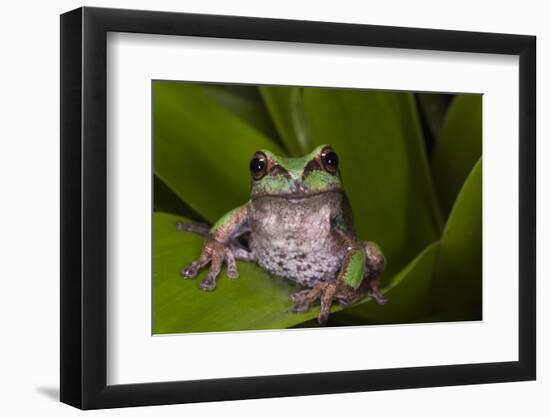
294	239
305	268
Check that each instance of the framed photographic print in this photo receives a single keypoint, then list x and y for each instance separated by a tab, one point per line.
258	207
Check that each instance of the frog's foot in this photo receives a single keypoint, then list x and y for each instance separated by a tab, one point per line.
348	297
375	293
197	228
376	263
303	299
216	254
323	291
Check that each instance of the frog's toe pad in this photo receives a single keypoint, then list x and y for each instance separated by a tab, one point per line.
301	308
322	318
189	271
208	284
378	297
344	303
298	297
232	273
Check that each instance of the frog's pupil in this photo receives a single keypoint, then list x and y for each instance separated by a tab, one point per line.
257	165
331	159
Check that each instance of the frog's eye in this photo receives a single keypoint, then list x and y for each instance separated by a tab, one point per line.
258	166
330	160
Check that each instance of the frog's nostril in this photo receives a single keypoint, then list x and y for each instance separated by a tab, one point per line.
298	186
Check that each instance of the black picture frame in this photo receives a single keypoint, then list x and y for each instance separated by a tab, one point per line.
84	207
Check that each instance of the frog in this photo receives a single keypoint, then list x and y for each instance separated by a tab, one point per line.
297	225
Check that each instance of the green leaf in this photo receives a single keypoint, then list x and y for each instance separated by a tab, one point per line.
457	284
434	108
287	110
245	102
202	150
383	164
167	201
408	294
458	148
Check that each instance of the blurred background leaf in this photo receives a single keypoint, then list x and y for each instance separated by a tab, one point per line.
457	283
433	109
245	103
166	200
457	148
201	150
286	107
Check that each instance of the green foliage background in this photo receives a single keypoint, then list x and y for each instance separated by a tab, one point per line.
411	165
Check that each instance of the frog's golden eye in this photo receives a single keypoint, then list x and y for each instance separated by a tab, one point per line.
330	160
258	166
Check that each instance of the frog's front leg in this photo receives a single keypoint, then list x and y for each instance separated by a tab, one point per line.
349	278
217	249
234	248
376	263
369	287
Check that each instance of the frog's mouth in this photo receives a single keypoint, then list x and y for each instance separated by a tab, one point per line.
297	195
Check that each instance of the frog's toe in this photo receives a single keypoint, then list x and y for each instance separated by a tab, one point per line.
322	318
346	297
303	299
301	307
375	292
298	297
190	271
327	297
208	283
232	271
344	303
379	298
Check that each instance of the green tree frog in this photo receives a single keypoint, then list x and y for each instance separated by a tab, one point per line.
296	225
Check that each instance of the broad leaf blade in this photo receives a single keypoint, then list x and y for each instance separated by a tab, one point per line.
457	285
457	148
383	164
245	102
165	200
286	107
434	107
201	150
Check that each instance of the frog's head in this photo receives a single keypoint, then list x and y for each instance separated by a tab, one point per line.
312	174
